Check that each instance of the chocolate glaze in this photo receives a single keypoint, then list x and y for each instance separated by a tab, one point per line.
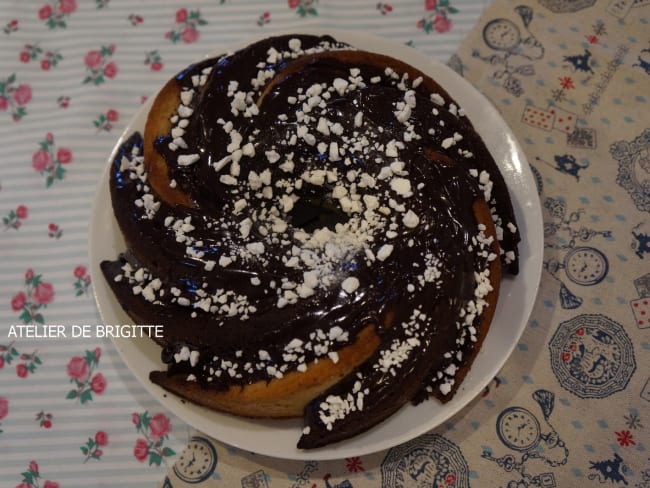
443	197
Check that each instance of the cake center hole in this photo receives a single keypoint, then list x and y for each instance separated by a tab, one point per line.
315	212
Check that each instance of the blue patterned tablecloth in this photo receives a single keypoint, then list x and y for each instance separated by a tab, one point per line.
571	77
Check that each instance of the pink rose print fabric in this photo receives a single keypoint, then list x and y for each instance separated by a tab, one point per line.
14	97
105	121
264	19
15	218
384	8
304	8
50	160
31	478
187	26
11	27
87	382
155	432
94	446
44	419
437	16
54	231
99	65
28	364
153	59
56	14
46	59
74	75
35	296
4	410
82	281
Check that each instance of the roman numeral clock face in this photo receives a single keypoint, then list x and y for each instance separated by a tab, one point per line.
586	266
518	428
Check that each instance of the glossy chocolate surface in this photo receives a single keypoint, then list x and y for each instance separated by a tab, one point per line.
431	268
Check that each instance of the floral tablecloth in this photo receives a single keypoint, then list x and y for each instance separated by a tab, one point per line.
572	78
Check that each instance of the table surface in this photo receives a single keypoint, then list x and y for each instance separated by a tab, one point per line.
72	74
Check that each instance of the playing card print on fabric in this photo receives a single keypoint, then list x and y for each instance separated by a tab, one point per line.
641	306
641	310
555	118
563	120
538	118
551	118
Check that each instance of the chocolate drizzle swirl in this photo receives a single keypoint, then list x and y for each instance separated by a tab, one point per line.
302	233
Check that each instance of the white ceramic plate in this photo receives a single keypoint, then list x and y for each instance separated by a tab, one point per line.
279	438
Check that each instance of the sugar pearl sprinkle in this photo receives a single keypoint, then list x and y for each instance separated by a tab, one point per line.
378	207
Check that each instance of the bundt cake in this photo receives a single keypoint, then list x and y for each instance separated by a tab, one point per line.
319	229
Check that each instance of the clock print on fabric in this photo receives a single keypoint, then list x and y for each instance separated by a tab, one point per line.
501	34
514	49
586	266
518	429
197	462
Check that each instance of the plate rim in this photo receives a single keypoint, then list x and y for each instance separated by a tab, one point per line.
355	446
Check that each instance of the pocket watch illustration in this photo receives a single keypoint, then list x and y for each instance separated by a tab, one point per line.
518	429
197	462
586	265
501	34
